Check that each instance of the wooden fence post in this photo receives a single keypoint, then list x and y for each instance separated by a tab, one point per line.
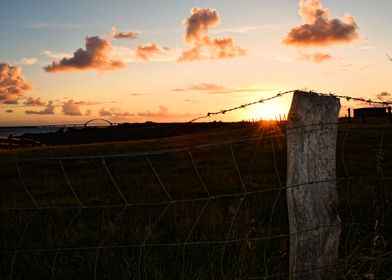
311	186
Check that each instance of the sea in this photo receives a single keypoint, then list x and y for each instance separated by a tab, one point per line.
19	131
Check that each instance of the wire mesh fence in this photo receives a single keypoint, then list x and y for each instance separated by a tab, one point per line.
212	211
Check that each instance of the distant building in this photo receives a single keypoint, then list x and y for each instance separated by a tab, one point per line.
371	112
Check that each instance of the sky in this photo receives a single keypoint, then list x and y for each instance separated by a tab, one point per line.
171	61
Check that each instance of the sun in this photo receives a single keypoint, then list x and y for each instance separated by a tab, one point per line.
270	111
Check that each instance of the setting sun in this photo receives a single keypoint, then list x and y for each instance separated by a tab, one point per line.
180	63
190	139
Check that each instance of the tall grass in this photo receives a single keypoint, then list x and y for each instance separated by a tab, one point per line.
189	242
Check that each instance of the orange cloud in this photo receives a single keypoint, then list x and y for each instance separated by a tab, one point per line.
103	112
146	52
49	110
224	48
164	113
319	29
12	84
129	35
95	56
202	87
199	22
114	112
205	47
384	96
316	57
28	61
70	108
31	101
88	112
217	89
87	103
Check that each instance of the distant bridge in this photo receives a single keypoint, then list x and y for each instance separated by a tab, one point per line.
98	119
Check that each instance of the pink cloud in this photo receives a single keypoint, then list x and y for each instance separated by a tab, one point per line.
316	57
146	52
319	29
129	35
70	108
384	96
199	22
49	110
95	56
114	112
204	47
12	84
163	113
31	101
218	89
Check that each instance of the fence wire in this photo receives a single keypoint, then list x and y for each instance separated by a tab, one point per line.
241	247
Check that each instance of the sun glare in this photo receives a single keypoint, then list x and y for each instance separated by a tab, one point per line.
270	111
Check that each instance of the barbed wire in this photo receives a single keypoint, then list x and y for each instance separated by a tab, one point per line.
243	106
280	94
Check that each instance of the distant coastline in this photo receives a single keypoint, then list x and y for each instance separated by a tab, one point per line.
20	130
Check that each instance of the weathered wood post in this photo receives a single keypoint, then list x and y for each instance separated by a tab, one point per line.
311	186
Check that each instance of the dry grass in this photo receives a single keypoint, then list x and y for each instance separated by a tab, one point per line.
366	239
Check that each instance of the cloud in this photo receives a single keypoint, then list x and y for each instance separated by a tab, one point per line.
118	113
146	52
164	113
191	101
138	94
70	108
9	111
12	84
114	112
87	103
202	87
197	27
316	57
319	29
28	61
88	112
103	112
31	101
217	89
49	110
55	55
384	96
199	22
95	56
129	35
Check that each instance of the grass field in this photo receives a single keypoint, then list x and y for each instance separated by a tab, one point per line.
205	226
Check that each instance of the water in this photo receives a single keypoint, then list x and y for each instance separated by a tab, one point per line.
19	131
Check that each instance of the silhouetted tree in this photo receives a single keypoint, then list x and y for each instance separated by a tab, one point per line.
390	58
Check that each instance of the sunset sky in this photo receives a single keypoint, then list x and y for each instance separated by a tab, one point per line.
134	61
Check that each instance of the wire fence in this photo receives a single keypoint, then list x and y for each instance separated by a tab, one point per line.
280	94
216	210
